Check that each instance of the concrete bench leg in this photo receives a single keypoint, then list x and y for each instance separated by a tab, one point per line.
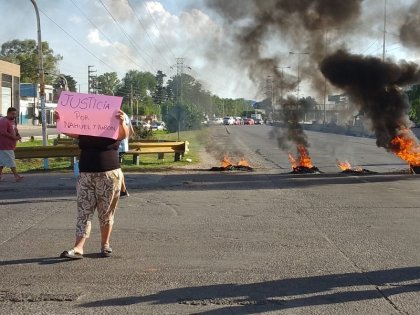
136	159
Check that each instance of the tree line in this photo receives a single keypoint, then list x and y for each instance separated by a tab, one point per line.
181	100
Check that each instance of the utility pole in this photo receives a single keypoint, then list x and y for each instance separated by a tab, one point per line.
383	44
180	67
269	92
180	73
41	83
92	81
281	83
324	121
131	100
298	70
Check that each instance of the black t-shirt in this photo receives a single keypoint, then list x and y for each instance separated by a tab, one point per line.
98	154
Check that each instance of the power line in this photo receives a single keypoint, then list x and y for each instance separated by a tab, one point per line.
79	43
104	35
147	34
370	46
128	37
163	38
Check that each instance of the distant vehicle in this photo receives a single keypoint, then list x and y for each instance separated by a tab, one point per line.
249	121
228	120
143	124
239	121
158	125
216	121
256	116
259	121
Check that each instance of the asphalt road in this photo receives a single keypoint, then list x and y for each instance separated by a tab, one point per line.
26	131
200	242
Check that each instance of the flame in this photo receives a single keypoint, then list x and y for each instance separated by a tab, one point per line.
292	160
225	162
406	147
243	162
304	159
343	165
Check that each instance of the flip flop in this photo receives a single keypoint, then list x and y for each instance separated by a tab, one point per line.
19	179
106	251
71	254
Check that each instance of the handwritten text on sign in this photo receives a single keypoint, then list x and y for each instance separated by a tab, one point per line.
88	114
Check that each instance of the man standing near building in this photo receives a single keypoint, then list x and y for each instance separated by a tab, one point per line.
9	135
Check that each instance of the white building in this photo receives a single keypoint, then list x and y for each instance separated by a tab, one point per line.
30	104
9	86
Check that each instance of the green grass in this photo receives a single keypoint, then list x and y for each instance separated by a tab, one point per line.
148	162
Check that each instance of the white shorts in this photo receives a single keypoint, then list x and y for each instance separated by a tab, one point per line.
7	158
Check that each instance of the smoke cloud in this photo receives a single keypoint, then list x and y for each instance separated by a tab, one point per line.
291	22
375	88
410	29
258	27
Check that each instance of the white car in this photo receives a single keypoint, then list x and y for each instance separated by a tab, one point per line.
228	120
216	121
158	125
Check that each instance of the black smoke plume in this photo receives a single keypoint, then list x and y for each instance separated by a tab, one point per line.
410	29
300	24
293	130
375	87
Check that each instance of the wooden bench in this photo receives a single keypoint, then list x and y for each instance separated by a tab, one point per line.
179	148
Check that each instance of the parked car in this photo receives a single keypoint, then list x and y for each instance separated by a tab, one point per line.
158	125
239	121
228	120
216	121
143	124
249	121
259	121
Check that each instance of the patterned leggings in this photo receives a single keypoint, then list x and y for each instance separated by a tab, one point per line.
99	191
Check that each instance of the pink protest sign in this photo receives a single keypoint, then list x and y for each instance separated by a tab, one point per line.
88	114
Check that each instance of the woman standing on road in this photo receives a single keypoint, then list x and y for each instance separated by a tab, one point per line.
98	187
9	135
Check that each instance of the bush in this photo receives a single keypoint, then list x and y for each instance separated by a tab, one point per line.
141	133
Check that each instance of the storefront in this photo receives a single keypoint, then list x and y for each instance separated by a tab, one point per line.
9	83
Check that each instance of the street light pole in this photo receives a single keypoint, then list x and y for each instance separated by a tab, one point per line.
41	83
324	121
281	83
298	69
383	45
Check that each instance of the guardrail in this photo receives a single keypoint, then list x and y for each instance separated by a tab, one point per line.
47	151
67	149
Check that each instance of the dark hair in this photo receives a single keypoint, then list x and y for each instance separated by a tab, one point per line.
11	109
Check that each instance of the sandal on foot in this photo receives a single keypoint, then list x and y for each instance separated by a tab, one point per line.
106	251
71	253
19	179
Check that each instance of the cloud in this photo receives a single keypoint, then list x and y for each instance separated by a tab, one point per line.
93	37
75	19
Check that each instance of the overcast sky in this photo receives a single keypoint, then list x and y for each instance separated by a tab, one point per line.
123	35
